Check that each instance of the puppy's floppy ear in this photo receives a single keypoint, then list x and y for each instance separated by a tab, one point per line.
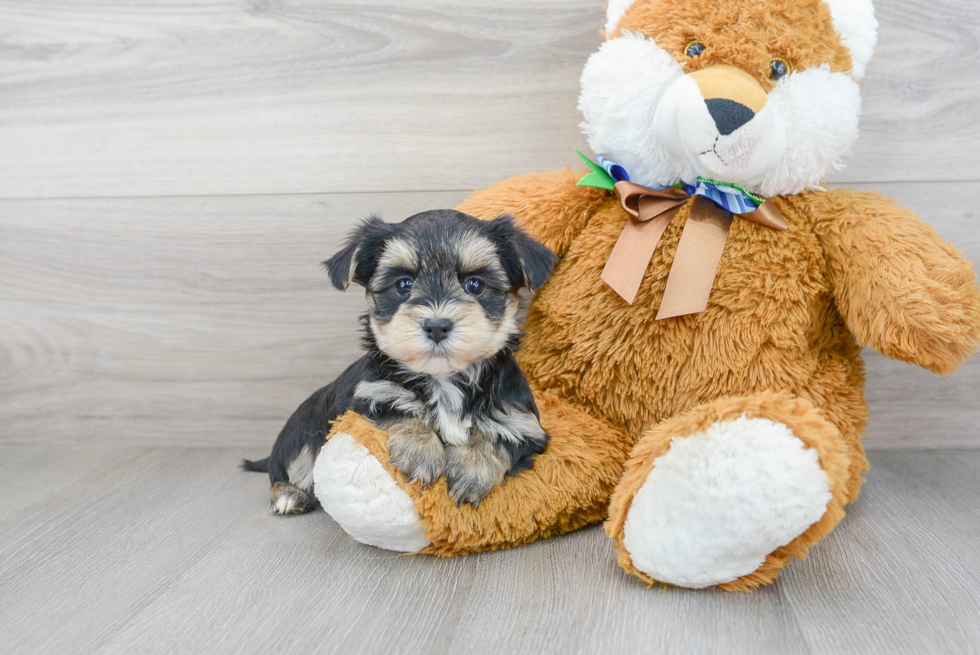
527	262
359	258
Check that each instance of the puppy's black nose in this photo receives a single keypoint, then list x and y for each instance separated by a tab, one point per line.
437	330
728	114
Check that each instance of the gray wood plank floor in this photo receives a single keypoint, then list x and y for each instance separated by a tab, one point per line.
123	549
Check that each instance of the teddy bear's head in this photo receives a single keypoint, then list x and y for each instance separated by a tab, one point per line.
761	93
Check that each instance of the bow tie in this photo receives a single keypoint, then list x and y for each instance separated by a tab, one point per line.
702	242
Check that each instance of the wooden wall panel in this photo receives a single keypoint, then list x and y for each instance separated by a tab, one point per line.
150	98
174	320
207	320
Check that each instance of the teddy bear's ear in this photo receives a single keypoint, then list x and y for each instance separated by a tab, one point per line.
358	259
855	21
527	262
614	13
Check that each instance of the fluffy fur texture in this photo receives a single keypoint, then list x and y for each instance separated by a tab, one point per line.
769	489
439	371
783	316
569	485
374	510
778	344
644	111
838	460
854	20
614	13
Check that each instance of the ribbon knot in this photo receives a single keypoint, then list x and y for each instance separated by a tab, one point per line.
702	242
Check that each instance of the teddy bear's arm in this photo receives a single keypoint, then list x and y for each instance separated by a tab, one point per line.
901	289
547	205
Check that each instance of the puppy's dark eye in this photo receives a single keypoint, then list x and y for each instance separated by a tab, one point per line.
474	286
695	49
403	286
778	69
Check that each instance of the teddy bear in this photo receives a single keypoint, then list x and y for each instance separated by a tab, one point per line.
696	355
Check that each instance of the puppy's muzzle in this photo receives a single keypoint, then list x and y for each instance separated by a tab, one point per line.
437	329
733	97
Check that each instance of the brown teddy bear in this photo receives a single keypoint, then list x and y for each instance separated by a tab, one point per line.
696	356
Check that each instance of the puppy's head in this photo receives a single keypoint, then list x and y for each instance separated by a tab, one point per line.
442	286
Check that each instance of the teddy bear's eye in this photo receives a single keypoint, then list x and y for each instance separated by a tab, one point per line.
778	69
694	49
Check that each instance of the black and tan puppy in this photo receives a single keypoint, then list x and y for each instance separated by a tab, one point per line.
439	374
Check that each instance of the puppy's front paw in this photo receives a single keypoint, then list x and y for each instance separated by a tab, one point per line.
417	452
474	469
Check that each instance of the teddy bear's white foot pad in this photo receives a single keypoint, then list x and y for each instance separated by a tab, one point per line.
717	503
357	492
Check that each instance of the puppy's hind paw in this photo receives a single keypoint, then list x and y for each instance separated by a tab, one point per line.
289	499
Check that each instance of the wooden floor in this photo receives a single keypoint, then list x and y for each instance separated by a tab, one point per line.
171	175
132	549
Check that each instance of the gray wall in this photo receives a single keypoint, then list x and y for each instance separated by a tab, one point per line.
170	179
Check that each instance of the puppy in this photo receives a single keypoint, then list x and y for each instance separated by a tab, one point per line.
439	373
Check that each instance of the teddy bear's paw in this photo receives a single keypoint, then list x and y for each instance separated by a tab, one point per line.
717	503
360	495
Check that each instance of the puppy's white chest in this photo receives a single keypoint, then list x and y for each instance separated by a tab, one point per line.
446	406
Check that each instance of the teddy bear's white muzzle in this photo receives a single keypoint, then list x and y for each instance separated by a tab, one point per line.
725	139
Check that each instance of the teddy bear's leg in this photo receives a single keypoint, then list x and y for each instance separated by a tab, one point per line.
727	492
362	495
568	487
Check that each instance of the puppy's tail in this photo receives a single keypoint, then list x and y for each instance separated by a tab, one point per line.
261	466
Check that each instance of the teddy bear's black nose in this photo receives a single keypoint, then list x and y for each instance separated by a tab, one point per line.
728	114
437	330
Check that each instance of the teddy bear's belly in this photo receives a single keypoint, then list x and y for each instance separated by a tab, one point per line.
769	300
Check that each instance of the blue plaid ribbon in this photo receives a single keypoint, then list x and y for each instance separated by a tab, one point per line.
732	198
616	172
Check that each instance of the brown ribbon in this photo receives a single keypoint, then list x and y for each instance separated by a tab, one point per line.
698	252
